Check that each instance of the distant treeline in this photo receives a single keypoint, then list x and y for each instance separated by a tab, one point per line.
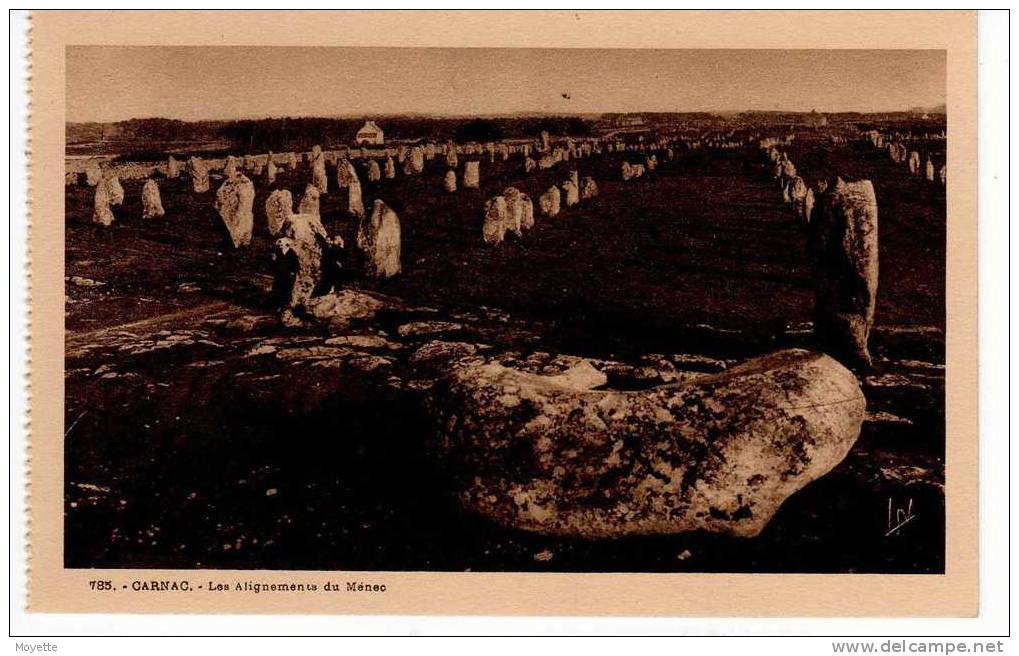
284	134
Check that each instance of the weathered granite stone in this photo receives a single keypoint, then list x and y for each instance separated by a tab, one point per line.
278	207
526	212
472	175
318	170
514	210
234	201
549	202
101	213
378	237
310	201
199	175
719	453
152	205
844	244
493	230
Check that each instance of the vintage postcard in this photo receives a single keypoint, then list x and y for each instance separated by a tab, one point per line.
503	313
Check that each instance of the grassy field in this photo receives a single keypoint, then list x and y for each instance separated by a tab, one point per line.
700	258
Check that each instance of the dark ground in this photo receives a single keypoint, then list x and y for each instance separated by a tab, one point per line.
172	465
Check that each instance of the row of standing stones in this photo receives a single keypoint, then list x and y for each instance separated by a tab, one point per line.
561	454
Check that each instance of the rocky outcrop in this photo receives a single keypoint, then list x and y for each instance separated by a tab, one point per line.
717	452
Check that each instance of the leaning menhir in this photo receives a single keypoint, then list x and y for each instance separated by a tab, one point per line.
844	245
718	452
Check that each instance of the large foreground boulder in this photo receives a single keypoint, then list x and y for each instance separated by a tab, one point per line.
719	452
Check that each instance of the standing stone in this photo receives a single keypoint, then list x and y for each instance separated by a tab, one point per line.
417	160
344	173
302	237
670	154
571	193
199	175
914	162
514	210
549	202
355	203
526	212
379	240
929	170
93	173
390	168
152	205
786	169
318	169
798	196
278	207
102	214
472	175
292	161
808	205
309	204
546	143
114	191
172	168
234	202
230	168
493	231
588	188
844	242
401	154
449	181
270	171
374	173
943	174
451	159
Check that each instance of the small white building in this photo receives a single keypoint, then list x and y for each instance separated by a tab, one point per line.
370	134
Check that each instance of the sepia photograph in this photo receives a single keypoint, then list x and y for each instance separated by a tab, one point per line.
446	309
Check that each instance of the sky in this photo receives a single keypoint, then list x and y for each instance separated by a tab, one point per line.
192	83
